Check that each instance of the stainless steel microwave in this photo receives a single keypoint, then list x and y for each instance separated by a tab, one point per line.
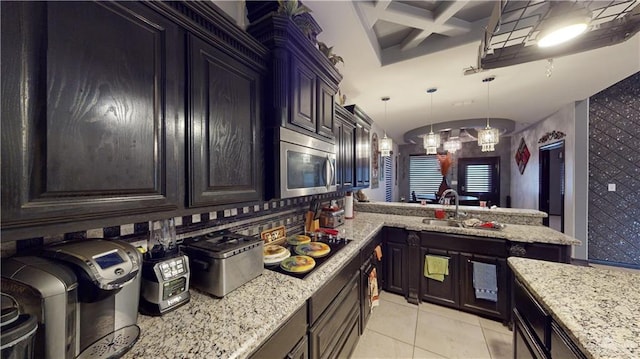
307	165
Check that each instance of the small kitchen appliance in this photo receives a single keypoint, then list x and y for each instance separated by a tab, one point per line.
332	217
108	274
222	261
48	291
165	271
17	330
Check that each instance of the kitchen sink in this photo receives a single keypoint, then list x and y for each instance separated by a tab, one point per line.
441	222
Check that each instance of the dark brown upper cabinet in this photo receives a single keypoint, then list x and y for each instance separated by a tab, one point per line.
224	128
362	145
299	93
88	115
345	131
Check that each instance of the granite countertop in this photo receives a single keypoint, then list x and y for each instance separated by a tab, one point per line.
504	215
234	326
598	308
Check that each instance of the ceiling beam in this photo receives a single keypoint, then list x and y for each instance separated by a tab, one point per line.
443	16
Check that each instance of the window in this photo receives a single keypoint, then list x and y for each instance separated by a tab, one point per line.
424	174
480	177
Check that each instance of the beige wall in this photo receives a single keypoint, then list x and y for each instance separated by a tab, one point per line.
378	194
524	188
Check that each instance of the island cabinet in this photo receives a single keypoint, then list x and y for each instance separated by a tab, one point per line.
362	145
91	102
535	333
457	290
346	150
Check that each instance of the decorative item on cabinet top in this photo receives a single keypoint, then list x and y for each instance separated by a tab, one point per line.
250	220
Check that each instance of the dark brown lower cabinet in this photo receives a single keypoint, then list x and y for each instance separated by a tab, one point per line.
335	333
289	341
468	300
447	291
536	334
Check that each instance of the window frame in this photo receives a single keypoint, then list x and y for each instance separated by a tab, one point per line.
492	197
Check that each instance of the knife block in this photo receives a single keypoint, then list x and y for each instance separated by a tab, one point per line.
310	224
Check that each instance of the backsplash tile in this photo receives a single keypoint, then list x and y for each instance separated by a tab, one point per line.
248	219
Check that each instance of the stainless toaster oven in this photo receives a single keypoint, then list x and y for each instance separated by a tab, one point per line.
223	261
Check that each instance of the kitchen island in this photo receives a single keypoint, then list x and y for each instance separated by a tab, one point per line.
236	325
598	309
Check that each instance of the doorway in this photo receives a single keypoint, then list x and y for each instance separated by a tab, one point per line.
551	191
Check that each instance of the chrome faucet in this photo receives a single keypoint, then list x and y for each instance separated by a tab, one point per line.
445	193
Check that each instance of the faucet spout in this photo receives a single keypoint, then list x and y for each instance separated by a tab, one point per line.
455	194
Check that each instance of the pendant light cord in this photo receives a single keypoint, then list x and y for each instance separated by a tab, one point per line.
488	100
431	115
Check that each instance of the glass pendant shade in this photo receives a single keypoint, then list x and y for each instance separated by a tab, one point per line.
488	138
452	145
431	143
386	145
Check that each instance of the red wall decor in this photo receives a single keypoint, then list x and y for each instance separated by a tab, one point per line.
522	156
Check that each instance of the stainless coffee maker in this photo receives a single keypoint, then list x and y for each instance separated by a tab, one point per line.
48	291
108	274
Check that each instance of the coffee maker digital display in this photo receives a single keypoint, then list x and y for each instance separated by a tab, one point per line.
108	260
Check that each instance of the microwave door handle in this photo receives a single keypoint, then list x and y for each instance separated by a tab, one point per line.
328	173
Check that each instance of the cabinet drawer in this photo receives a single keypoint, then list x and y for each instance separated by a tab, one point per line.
321	300
533	314
331	331
285	338
562	346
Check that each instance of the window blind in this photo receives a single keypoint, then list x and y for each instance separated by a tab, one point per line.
424	174
478	178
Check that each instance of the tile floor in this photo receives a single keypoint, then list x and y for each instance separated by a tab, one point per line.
397	329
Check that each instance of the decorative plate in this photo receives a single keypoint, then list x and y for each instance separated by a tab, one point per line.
276	260
298	239
298	264
313	249
272	251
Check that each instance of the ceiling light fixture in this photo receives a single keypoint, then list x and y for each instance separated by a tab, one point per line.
453	143
563	25
386	144
431	140
488	137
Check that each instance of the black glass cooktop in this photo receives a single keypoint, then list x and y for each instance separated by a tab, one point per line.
334	243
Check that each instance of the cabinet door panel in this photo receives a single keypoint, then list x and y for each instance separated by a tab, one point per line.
434	291
468	298
348	150
304	96
94	131
396	275
325	109
224	128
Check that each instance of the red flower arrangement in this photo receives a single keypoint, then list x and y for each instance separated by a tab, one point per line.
445	162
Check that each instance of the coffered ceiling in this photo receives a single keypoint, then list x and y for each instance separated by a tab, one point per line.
400	48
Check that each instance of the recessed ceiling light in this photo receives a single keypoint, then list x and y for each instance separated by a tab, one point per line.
564	27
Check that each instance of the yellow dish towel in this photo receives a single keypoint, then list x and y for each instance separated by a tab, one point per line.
436	267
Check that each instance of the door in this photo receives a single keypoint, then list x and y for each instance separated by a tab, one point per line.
88	120
551	191
395	263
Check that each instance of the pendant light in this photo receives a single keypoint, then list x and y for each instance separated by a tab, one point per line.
431	141
386	144
452	144
488	137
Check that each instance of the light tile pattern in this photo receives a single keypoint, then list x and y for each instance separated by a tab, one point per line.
398	329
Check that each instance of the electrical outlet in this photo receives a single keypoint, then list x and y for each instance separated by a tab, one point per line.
612	187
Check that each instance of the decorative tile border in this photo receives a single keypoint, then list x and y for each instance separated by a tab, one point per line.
247	219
